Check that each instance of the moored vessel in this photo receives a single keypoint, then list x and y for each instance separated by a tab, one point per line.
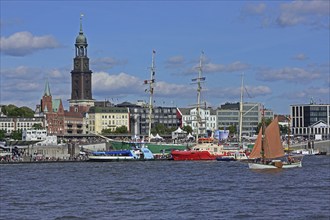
142	153
268	152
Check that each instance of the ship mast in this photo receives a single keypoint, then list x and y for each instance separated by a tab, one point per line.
241	115
289	133
151	90
198	81
263	127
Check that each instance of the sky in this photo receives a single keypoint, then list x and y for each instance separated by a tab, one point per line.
281	48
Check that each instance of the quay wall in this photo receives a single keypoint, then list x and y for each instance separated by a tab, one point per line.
322	146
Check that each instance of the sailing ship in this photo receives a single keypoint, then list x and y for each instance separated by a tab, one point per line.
157	148
205	148
268	152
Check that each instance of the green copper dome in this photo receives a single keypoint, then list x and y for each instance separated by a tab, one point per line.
81	39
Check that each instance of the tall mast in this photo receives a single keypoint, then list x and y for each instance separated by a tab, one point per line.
199	80
241	114
263	127
289	133
151	90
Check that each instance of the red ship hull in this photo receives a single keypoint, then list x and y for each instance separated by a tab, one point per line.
193	155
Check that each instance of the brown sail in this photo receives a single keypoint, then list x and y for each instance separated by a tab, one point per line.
273	148
256	151
272	144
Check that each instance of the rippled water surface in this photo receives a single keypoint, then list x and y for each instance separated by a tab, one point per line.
164	190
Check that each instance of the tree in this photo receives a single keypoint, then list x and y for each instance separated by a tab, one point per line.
16	135
14	111
2	135
37	126
159	129
188	129
121	130
232	129
106	131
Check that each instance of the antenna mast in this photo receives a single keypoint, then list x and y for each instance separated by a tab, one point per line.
151	89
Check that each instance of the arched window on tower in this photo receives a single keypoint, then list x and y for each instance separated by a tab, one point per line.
81	51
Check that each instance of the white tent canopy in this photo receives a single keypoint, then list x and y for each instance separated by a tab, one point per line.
151	137
189	136
178	133
158	136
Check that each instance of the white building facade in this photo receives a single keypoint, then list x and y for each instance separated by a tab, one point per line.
208	119
308	120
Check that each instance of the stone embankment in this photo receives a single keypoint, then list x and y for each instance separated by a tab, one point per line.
321	146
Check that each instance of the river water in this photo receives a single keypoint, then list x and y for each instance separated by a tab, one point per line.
164	190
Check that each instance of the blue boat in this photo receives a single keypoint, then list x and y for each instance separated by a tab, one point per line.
142	153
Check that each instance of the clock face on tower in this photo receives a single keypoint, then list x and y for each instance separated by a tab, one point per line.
86	67
76	64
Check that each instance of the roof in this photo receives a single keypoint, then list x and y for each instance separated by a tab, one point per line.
108	110
47	89
185	111
56	104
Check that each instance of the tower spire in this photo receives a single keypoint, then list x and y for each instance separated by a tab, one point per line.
47	89
81	29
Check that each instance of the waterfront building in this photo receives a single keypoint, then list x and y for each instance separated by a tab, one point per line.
308	120
40	136
99	118
208	119
53	110
81	77
10	124
74	123
139	117
229	115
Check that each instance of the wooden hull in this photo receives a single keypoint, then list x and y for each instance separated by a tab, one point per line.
278	165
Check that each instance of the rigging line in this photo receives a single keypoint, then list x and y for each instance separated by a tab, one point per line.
247	93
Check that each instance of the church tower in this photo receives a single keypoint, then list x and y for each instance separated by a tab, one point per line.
81	76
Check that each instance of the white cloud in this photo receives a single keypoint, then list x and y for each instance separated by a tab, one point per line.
254	9
318	94
106	63
173	90
290	74
313	13
219	68
232	94
123	82
300	56
21	72
174	62
24	43
55	73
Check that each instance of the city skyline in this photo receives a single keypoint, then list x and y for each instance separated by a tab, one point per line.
281	48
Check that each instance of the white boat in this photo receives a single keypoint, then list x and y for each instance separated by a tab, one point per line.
268	152
121	155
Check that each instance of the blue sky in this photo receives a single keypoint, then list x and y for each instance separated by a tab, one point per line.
281	47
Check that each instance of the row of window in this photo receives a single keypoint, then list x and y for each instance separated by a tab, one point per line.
114	116
306	131
19	124
113	122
